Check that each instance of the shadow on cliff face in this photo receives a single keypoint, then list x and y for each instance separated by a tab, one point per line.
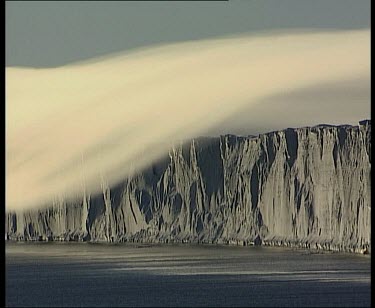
144	201
210	163
292	145
254	187
342	135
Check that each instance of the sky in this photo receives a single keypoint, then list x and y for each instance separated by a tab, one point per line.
97	91
49	34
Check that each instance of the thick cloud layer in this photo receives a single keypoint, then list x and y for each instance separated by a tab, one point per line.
69	128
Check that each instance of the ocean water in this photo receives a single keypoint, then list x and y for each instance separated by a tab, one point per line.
108	275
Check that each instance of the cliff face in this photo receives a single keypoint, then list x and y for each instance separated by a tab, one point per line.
308	187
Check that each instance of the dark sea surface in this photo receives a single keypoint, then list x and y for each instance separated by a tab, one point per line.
83	274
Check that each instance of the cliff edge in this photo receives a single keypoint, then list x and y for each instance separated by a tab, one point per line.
307	187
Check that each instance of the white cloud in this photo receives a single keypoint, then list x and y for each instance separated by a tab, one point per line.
114	116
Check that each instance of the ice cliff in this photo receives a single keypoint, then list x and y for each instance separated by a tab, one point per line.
305	187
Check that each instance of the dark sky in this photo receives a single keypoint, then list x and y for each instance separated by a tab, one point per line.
49	34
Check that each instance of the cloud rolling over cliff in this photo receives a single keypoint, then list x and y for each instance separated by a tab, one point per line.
68	128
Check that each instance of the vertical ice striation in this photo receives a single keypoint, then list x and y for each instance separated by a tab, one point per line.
308	187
